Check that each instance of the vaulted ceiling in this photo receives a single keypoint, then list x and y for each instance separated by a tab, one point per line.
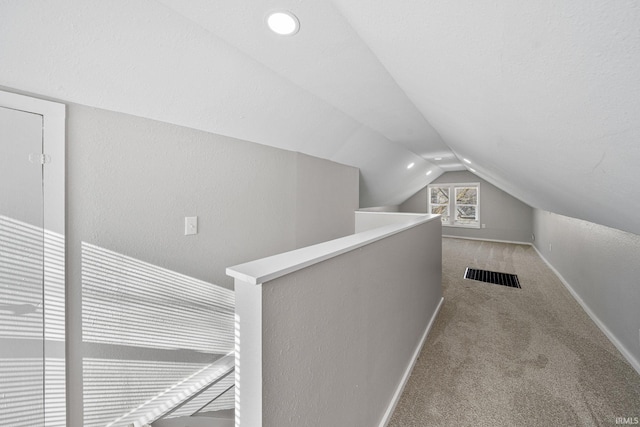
542	97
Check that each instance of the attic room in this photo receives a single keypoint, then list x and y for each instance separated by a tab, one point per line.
156	152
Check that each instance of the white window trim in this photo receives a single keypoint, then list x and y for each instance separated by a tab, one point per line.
452	202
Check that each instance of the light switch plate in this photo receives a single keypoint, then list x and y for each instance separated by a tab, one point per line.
190	225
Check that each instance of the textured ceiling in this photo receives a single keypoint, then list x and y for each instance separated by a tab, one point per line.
543	97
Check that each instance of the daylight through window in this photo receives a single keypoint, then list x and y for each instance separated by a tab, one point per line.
459	204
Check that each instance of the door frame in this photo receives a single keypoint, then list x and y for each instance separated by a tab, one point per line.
53	134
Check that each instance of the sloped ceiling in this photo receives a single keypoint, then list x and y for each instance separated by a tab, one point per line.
542	97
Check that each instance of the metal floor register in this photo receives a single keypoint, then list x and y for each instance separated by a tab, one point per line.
504	279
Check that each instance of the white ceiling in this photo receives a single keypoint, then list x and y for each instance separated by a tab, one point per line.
543	97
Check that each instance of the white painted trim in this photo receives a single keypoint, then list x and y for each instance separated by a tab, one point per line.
614	340
270	268
53	222
488	240
248	355
53	134
362	211
407	373
452	202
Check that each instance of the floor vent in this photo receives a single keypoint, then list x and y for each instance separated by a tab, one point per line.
504	279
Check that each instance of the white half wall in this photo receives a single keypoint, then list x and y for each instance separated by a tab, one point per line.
600	266
338	336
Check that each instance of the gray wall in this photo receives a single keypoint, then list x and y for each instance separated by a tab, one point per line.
416	203
326	193
131	182
505	217
601	266
390	208
370	220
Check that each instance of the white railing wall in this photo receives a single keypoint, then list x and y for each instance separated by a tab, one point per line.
328	334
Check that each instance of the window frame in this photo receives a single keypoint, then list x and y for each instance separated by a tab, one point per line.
452	186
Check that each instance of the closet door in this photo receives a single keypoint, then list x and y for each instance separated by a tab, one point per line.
32	262
22	255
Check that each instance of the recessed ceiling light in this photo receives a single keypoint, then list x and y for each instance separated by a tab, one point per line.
437	158
410	165
283	23
467	160
429	173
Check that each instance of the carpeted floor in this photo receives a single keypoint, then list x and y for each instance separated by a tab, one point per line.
499	356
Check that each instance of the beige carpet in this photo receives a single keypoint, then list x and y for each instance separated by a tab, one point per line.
498	356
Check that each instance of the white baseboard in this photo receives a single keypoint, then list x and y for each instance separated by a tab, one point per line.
407	373
621	348
488	240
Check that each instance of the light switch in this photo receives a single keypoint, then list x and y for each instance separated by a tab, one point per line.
190	225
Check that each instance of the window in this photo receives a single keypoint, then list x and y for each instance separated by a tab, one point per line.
458	204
